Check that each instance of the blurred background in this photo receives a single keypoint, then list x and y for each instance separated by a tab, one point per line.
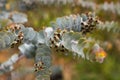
41	12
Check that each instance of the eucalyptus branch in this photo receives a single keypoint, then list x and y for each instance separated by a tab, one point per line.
66	34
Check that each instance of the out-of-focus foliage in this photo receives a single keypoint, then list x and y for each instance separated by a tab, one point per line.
110	27
7	18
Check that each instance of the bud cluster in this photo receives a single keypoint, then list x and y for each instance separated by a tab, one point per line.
16	28
90	24
56	41
39	66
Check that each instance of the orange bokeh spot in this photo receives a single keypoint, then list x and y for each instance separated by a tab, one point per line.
101	54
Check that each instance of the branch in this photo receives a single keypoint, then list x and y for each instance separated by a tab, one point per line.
66	34
84	23
43	61
109	26
8	65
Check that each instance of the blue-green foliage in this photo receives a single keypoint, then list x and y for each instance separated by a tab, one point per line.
78	23
110	26
43	54
15	17
6	38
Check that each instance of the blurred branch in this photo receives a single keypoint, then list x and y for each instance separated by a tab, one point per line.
30	4
14	16
112	7
109	26
8	65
